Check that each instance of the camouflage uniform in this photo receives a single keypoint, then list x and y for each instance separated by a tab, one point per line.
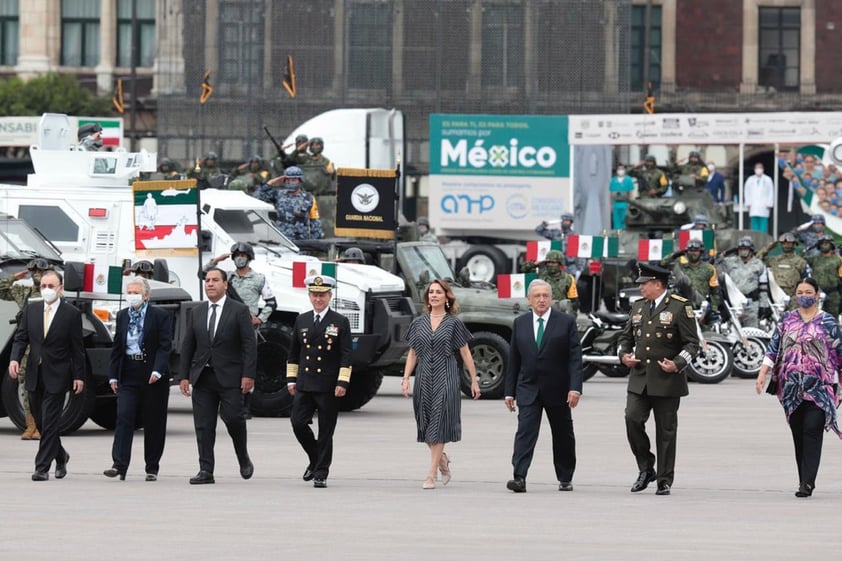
248	176
650	178
746	275
204	172
10	289
563	284
810	238
298	212
788	268
698	169
827	270
573	266
702	276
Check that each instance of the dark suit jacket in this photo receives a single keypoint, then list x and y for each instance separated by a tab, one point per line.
318	365
156	342
716	186
549	372
59	358
233	351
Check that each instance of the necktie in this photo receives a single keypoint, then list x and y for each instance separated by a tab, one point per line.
651	307
212	323
540	331
316	322
46	318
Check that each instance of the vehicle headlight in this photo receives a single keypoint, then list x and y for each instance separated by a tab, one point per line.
679	207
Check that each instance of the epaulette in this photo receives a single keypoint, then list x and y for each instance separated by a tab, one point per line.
679	298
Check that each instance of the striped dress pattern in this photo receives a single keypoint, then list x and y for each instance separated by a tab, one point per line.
436	397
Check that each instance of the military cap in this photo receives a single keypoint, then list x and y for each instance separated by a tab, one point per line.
320	283
817	219
650	271
701	219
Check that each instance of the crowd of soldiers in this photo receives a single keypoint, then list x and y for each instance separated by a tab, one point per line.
280	182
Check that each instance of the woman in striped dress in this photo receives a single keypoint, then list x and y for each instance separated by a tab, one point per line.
434	340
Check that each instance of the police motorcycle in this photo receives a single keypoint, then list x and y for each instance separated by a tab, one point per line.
599	337
748	343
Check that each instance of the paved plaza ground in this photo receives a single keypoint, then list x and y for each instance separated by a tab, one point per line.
732	498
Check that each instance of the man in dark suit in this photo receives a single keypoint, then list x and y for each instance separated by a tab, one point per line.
716	183
52	329
658	342
544	374
219	359
318	374
140	360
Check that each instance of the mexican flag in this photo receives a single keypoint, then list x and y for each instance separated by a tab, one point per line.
684	236
112	130
537	251
102	279
303	269
611	247
514	286
653	250
585	246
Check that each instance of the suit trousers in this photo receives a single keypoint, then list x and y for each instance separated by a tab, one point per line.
564	441
209	400
665	410
319	451
46	408
807	426
137	399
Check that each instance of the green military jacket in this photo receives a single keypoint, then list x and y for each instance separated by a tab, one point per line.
650	179
667	333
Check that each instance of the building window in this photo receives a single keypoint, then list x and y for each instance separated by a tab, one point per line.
80	32
502	45
9	32
638	36
241	42
145	33
780	48
370	45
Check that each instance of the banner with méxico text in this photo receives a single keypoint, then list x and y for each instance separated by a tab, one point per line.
497	172
365	203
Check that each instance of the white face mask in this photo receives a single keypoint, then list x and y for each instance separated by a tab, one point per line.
621	173
49	295
711	168
134	300
758	171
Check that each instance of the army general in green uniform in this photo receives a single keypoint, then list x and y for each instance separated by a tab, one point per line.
658	342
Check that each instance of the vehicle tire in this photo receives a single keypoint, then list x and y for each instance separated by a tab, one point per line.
588	371
104	412
711	366
614	371
491	355
484	262
270	397
364	386
748	358
73	415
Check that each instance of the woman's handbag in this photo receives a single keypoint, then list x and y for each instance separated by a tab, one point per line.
772	386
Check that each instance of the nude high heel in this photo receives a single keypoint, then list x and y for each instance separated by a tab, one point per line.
444	469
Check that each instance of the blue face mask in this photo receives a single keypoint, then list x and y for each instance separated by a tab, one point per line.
806	301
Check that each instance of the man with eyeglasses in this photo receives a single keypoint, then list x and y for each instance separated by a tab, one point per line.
52	328
14	287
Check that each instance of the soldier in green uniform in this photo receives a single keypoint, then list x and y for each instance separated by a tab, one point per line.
702	275
167	170
563	284
248	176
694	170
827	270
788	268
22	293
651	181
207	171
659	341
299	157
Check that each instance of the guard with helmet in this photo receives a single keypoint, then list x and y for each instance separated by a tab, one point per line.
809	234
826	268
249	175
141	268
563	284
352	256
694	170
788	268
748	273
652	182
422	226
251	287
298	211
90	137
702	275
207	172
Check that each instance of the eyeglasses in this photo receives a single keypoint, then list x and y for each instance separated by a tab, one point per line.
41	264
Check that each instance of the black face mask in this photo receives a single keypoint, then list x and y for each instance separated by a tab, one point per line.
694	256
825	247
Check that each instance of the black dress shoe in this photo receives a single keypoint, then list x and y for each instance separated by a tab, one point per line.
643	481
320	483
804	490
518	485
247	470
565	486
663	489
40	476
151	477
308	474
61	467
202	478
114	472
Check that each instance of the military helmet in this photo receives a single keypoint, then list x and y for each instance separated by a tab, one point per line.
143	267
211	156
694	153
256	158
166	163
294	172
567	216
317	140
695	245
701	219
554	255
423	221
39	264
746	241
818	219
238	184
87	130
241	247
788	237
353	254
650	158
301	138
825	238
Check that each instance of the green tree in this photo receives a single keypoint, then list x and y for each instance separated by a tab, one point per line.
52	93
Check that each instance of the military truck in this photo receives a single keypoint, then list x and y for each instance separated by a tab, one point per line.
83	203
488	317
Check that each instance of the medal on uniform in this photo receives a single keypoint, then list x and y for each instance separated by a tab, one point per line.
636	318
332	330
665	317
689	311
